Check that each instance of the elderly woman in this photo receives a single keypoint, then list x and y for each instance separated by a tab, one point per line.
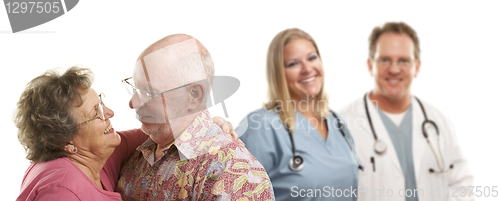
304	148
66	130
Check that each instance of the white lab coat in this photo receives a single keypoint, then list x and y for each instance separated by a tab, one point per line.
388	176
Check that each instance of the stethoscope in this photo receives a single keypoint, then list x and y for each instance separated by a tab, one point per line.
297	162
380	147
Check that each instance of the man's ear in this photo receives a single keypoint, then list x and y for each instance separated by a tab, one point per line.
370	66
417	69
196	96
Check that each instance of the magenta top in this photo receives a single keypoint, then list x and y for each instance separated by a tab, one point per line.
61	179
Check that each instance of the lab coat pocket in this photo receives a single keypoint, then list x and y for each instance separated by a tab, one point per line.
365	184
433	184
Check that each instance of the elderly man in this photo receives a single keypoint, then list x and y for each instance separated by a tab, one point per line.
187	157
408	147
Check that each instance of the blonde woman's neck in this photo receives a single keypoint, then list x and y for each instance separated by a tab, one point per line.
307	107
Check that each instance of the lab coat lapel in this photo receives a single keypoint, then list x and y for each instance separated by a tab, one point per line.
362	116
419	142
382	134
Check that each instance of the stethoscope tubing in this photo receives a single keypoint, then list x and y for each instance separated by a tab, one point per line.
441	164
297	162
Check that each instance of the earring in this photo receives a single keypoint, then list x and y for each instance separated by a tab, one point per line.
71	148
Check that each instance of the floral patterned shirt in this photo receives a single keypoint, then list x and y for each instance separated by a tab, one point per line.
203	163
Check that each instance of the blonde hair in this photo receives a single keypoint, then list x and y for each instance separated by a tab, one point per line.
278	93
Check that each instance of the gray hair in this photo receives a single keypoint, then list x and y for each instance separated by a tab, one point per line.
45	114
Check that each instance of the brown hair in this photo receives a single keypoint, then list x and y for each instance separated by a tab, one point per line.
278	93
45	114
393	27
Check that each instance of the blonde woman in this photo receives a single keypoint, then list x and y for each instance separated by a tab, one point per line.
307	153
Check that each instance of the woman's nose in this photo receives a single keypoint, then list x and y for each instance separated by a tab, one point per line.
306	67
108	112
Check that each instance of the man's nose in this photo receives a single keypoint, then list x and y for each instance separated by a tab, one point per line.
135	102
130	104
394	67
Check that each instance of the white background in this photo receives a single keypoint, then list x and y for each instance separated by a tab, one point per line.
460	43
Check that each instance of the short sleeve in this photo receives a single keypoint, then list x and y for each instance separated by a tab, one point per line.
260	138
56	193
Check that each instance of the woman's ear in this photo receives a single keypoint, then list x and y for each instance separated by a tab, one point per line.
70	148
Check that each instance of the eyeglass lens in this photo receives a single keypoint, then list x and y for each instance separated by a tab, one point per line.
100	111
143	96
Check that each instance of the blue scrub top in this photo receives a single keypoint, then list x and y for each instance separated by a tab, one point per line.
330	169
401	137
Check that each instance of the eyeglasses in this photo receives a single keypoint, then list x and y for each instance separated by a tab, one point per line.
385	62
143	95
99	110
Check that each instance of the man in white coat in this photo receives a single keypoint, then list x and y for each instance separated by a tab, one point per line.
402	160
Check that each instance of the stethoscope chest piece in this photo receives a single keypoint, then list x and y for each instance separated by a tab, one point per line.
380	147
296	163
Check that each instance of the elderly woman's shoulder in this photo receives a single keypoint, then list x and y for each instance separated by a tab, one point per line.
60	172
57	169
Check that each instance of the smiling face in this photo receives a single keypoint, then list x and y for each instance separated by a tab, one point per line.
393	81
96	136
303	69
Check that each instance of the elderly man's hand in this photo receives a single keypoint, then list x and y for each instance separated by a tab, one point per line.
226	127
